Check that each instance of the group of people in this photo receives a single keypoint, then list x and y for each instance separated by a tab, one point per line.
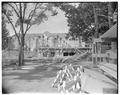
69	79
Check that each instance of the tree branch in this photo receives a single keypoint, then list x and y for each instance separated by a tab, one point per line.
20	11
14	9
24	11
34	11
16	6
28	27
13	28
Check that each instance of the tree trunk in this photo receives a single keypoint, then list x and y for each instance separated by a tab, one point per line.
21	52
80	41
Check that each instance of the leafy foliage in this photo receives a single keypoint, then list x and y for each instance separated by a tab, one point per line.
31	13
5	34
81	18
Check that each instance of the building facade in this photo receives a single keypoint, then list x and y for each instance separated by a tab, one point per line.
36	41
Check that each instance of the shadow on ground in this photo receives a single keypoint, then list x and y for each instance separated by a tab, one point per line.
44	71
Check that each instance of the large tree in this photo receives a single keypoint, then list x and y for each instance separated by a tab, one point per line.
22	16
86	19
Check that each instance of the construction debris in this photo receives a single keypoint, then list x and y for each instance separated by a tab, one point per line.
76	57
69	79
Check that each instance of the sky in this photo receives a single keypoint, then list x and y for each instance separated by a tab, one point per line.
54	24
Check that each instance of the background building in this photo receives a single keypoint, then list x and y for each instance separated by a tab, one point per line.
36	41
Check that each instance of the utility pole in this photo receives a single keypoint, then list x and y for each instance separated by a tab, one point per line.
96	21
94	51
110	13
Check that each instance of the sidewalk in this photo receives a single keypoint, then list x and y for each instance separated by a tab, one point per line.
98	83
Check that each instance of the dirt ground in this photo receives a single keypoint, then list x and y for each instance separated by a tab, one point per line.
31	78
38	78
38	75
